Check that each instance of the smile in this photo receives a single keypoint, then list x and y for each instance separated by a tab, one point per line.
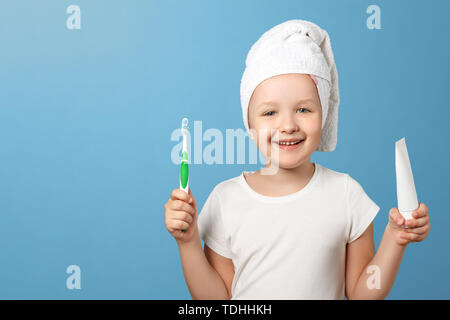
289	145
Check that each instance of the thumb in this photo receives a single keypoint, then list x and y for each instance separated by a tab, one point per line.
396	216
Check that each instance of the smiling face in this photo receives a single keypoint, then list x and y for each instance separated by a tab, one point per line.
287	106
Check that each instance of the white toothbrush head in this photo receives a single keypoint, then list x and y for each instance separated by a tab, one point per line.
184	125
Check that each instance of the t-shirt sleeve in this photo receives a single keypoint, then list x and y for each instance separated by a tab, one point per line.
361	209
211	226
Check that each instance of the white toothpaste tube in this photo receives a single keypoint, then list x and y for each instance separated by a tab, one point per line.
406	190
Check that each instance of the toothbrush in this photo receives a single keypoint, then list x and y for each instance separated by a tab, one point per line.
184	168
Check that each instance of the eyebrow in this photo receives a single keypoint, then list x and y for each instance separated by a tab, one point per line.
274	103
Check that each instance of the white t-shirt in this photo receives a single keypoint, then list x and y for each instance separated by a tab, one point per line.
289	247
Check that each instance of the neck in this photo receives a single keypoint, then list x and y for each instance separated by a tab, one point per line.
291	175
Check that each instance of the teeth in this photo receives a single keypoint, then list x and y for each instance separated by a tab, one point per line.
288	143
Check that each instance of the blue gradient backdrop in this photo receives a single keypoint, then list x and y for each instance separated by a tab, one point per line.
86	117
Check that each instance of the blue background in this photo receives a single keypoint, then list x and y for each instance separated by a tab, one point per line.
86	117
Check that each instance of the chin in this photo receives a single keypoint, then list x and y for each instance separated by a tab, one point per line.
294	159
286	164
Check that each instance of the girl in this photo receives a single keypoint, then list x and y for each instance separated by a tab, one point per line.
301	231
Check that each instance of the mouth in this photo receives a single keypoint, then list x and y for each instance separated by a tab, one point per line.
290	144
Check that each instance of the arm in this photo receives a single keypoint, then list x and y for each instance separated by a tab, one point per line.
362	267
223	266
203	281
360	259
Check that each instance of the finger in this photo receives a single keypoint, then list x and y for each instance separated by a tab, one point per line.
193	202
173	225
179	194
178	234
179	205
191	196
415	223
396	216
419	230
410	236
181	215
422	211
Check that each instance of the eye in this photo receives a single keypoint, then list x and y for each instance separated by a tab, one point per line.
269	113
305	110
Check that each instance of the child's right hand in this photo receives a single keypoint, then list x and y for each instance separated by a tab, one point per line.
181	213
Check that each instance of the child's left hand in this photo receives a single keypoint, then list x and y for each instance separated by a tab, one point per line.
418	226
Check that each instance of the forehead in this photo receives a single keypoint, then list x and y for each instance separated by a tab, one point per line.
286	88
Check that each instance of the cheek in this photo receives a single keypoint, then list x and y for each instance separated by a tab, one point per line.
262	136
314	131
259	128
313	126
263	141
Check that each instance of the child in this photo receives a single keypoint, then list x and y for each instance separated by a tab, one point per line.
305	231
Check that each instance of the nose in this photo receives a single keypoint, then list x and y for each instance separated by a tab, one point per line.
288	125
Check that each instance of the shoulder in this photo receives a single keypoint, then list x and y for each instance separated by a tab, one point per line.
341	182
343	179
334	177
229	187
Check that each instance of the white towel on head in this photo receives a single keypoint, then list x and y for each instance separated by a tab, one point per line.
296	46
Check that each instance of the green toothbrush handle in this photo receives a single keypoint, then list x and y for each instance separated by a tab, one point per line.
184	175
